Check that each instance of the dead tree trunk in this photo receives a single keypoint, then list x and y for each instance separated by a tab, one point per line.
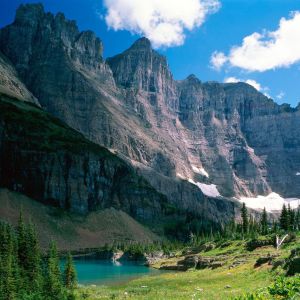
280	241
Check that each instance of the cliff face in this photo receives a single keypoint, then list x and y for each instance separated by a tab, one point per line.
43	158
54	60
11	84
193	141
46	160
211	132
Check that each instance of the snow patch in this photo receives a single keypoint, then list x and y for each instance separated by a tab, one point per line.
298	174
272	202
200	171
180	176
209	190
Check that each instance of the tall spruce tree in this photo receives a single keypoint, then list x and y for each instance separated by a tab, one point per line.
21	239
292	218
34	272
8	286
70	276
245	220
284	219
53	284
297	219
264	222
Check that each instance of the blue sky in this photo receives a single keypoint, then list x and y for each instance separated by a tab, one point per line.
220	30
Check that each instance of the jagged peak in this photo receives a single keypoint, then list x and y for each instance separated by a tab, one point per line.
141	44
30	11
192	78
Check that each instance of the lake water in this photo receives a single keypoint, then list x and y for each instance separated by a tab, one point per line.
94	271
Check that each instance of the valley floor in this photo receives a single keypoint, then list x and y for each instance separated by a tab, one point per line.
235	278
204	284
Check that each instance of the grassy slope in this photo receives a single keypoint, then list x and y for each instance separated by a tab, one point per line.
73	231
218	284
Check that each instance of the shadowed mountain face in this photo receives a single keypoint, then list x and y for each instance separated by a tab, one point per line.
187	138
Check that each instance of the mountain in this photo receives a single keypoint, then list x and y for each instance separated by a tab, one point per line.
197	144
46	160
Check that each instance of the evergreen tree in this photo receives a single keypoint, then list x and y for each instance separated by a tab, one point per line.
297	219
21	239
245	220
264	222
292	218
8	286
53	284
33	259
284	219
70	276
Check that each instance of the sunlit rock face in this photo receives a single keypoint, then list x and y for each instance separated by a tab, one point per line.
191	140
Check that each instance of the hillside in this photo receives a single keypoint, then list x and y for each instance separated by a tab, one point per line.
72	231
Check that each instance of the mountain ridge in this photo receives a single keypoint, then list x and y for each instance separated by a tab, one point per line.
186	137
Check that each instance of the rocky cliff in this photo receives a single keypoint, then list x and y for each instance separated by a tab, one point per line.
10	84
196	143
46	160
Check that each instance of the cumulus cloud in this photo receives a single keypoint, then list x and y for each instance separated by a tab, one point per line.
218	59
162	21
267	50
252	82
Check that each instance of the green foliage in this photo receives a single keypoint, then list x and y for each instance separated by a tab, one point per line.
23	273
284	218
53	282
260	241
284	288
245	220
264	222
70	276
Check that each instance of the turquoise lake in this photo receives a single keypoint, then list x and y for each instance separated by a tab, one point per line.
103	272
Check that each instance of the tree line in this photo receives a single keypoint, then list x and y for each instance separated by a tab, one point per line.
289	221
251	227
25	273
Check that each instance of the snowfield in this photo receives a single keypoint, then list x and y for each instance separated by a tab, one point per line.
272	202
209	190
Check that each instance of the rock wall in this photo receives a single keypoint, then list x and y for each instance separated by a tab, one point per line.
198	138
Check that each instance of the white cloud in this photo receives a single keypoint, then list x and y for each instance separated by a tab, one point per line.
218	59
252	82
161	21
267	50
280	95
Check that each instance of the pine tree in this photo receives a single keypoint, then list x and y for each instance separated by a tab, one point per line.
70	276
8	280
292	217
284	219
33	259
53	287
264	222
297	219
21	239
245	220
